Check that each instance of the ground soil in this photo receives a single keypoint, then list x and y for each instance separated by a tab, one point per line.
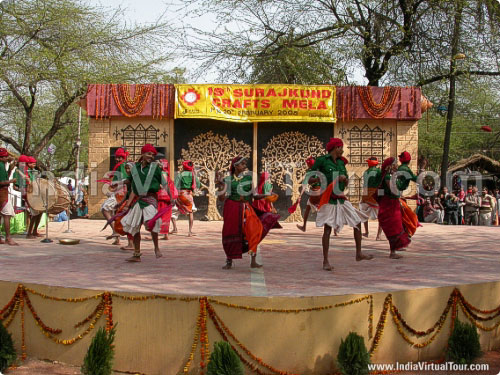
34	366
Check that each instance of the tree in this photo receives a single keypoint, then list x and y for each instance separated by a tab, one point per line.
360	34
51	49
284	158
212	152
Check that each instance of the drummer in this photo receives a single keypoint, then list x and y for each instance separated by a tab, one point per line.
6	209
36	216
25	174
114	195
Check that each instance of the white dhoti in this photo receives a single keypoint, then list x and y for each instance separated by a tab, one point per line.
137	216
8	209
175	212
109	204
338	215
313	207
369	210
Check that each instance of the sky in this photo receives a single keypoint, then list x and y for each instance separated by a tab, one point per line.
146	11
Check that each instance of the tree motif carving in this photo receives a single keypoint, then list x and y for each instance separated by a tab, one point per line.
212	152
284	158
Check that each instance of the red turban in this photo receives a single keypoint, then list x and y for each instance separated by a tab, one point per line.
24	159
310	162
122	153
31	159
148	148
237	160
405	157
3	152
372	162
387	162
334	142
187	165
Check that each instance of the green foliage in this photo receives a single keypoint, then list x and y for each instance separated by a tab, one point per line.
463	345
224	361
99	357
477	105
353	358
7	350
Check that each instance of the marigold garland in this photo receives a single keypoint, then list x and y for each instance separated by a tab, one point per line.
381	324
378	110
23	341
214	316
99	307
130	107
36	317
195	342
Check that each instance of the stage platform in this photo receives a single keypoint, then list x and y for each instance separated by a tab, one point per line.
438	256
290	315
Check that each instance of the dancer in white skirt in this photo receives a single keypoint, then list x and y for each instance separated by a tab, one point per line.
335	210
145	181
368	204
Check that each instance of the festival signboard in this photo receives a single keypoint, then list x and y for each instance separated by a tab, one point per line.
256	103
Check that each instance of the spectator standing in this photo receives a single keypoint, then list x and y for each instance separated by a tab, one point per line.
472	204
487	205
438	206
451	207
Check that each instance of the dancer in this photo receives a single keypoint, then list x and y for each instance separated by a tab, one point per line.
6	209
405	175
265	187
145	181
368	204
335	211
243	230
390	215
165	200
313	200
116	192
186	183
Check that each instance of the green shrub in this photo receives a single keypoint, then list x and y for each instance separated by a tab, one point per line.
99	357
353	358
224	361
7	350
463	344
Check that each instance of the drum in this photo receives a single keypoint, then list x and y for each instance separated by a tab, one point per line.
52	194
41	192
63	199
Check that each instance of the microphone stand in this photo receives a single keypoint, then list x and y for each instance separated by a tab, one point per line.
46	204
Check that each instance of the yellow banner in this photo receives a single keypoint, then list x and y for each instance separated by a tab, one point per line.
256	103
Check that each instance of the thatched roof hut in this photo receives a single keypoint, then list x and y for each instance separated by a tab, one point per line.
477	162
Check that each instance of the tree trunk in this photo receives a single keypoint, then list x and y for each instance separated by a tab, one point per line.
212	212
297	215
451	95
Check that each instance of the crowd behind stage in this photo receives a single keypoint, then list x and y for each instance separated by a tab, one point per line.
460	207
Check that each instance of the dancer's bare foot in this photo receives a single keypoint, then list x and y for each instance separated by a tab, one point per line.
378	238
229	264
191	234
158	253
253	263
395	256
112	236
127	248
147	238
173	232
165	238
335	233
30	236
134	258
116	241
402	249
363	257
327	266
11	242
365	235
301	227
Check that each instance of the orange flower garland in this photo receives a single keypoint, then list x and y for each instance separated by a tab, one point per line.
378	110
381	324
131	107
23	342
